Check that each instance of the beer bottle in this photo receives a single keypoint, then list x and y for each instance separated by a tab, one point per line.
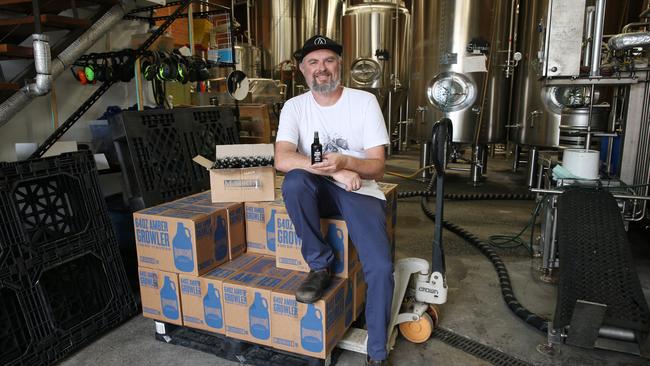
316	150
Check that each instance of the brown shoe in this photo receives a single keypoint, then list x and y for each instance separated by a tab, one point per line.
314	286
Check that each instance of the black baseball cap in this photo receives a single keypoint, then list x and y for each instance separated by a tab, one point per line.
317	42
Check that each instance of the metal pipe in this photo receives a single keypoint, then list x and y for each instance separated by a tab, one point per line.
597	37
511	32
636	24
248	22
19	100
390	112
533	155
589	118
36	13
617	333
589	31
622	196
43	66
626	41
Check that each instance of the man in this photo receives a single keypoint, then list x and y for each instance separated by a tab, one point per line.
353	134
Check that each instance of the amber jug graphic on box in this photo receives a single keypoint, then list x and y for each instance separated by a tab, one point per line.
270	232
335	238
182	248
221	240
212	308
258	318
311	329
169	300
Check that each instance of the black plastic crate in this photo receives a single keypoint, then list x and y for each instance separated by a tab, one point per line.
25	326
14	337
62	280
44	202
64	308
155	149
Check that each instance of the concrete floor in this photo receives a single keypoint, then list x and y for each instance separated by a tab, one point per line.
474	308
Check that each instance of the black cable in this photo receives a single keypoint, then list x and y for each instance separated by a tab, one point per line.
507	292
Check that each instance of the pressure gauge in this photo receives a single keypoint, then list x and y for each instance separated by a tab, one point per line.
365	71
450	91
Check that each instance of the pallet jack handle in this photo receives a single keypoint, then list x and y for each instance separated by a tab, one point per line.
441	135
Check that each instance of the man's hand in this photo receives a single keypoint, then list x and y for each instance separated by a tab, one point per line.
332	163
351	179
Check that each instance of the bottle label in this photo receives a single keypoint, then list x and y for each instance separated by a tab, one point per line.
317	156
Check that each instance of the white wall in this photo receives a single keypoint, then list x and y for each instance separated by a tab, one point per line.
34	122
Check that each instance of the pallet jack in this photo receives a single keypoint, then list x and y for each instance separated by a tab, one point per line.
419	288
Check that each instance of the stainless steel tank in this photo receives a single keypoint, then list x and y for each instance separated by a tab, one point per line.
329	14
460	45
538	105
537	110
376	55
283	26
249	60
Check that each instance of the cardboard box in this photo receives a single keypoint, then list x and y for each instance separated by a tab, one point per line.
288	246
202	297
390	191
182	241
160	296
235	219
359	289
308	329
260	225
241	184
247	297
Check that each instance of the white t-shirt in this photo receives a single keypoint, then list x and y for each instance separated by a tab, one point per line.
352	125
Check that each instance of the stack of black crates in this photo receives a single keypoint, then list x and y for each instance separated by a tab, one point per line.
62	281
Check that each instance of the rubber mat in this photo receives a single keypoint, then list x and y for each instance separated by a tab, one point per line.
595	261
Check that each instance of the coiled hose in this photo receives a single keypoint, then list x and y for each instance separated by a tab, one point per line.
507	293
470	197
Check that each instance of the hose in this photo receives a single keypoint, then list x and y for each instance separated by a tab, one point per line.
507	293
469	197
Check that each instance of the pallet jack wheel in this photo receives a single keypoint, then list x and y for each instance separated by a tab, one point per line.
417	331
434	312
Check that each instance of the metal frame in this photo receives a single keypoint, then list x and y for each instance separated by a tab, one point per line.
76	115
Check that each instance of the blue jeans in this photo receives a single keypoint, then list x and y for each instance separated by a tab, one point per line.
308	197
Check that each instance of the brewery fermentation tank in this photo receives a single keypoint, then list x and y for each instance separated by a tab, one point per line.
376	56
249	60
538	105
329	14
283	26
460	45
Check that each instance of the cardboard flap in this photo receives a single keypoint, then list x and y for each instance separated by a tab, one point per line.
206	163
224	151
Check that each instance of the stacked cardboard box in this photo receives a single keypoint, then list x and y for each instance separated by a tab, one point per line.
194	272
181	237
269	230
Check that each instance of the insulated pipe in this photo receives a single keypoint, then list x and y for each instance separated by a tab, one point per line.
597	37
43	66
66	58
629	40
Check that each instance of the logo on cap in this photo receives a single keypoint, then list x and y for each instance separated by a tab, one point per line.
320	41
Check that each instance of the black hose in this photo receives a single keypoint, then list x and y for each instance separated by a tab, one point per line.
507	293
469	197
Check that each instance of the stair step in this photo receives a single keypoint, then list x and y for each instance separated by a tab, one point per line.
9	86
11	51
17	30
49	6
